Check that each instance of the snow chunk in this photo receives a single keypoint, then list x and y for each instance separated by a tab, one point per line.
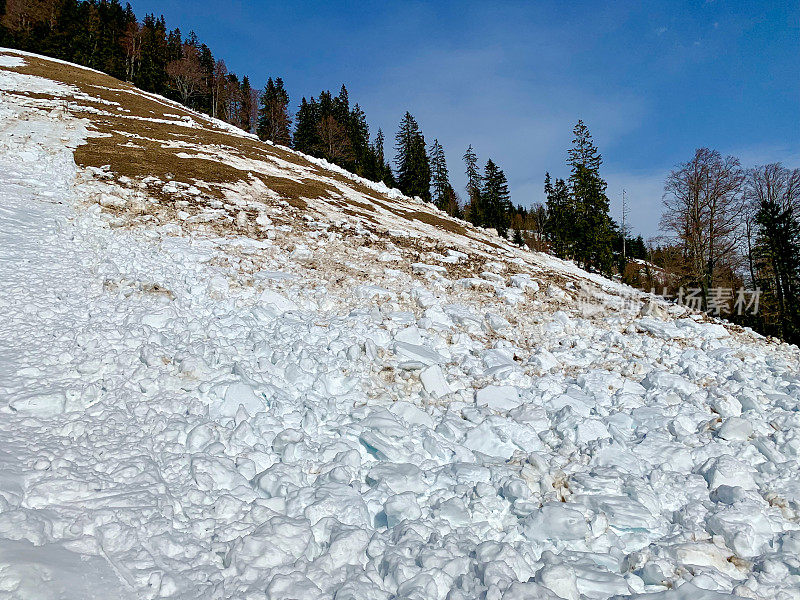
40	404
401	507
423	269
418	353
556	521
735	429
669	381
498	397
490	440
434	382
279	541
236	395
276	303
726	470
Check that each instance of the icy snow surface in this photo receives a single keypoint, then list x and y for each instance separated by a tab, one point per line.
171	428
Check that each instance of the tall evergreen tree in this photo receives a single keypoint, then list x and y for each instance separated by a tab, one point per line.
384	173
378	148
592	244
246	105
561	220
274	120
358	133
777	253
475	212
413	167
306	136
440	178
775	191
152	74
496	199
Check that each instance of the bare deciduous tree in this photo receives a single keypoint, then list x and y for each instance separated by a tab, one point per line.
335	143
703	211
22	15
132	44
186	74
219	79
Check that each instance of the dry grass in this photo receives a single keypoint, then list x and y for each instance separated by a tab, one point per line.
134	144
139	135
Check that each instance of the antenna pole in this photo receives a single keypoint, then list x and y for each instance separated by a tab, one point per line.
624	228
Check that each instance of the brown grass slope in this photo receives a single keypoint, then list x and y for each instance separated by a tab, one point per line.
189	166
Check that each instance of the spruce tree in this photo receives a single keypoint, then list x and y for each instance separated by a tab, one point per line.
385	169
358	132
440	178
777	253
246	105
274	121
593	232
378	147
560	223
475	211
306	136
413	167
495	198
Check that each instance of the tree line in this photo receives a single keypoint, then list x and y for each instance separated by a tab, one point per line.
104	35
728	225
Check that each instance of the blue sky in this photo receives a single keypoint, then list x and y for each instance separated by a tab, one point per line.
652	80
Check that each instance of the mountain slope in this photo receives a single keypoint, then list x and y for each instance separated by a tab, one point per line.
230	371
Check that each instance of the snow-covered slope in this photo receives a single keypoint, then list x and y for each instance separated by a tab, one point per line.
229	371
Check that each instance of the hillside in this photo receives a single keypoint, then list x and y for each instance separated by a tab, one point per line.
228	370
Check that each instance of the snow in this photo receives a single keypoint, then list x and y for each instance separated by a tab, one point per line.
184	415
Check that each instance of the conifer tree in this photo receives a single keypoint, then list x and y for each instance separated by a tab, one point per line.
306	135
413	167
777	253
775	191
440	178
246	105
593	232
495	198
274	119
475	212
358	133
453	204
378	147
561	217
384	173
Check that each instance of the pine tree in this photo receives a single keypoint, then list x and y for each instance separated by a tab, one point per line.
583	151
358	133
495	198
384	169
440	178
453	204
378	147
274	120
593	232
475	212
306	136
413	167
561	217
246	105
777	252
